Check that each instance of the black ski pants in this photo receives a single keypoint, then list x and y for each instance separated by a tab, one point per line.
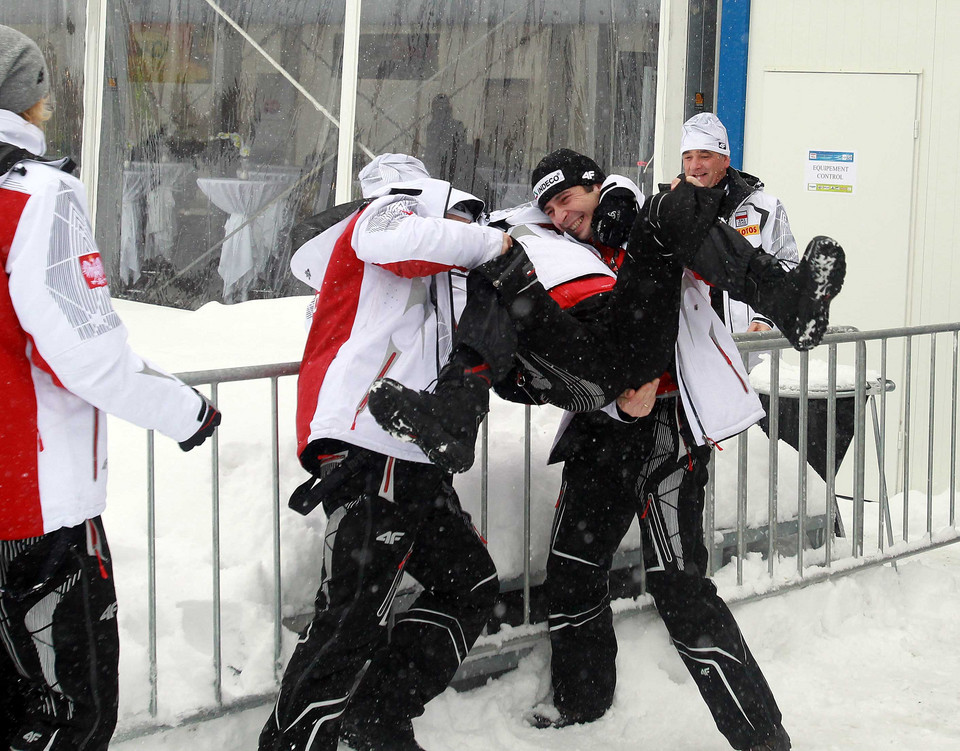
583	358
394	517
577	359
58	625
660	477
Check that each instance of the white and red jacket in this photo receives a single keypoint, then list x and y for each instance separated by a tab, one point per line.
380	274
715	390
64	357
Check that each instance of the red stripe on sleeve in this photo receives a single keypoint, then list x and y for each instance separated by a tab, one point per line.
570	293
411	269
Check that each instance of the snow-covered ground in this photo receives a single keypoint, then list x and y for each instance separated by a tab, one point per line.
856	663
863	663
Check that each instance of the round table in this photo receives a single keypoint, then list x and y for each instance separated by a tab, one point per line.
249	237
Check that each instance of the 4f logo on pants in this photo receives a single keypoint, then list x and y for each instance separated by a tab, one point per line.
390	538
110	612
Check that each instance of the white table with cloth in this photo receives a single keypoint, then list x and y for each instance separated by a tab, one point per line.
148	226
250	231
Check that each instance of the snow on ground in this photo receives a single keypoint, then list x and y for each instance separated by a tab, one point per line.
862	663
856	663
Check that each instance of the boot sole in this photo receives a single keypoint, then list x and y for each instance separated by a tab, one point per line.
824	268
396	410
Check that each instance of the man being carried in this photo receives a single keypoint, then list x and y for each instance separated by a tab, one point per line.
578	340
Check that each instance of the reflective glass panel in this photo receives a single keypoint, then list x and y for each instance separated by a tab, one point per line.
219	134
480	90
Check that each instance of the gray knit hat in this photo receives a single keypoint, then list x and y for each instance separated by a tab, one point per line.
24	80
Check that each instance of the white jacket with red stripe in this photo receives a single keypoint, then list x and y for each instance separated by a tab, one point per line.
64	357
379	274
715	390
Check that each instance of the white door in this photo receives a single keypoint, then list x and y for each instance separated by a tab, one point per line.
872	116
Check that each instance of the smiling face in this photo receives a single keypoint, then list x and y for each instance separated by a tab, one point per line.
571	210
708	167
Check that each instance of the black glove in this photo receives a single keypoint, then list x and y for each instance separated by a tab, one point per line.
614	216
209	418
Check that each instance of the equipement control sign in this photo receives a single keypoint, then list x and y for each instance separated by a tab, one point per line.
830	171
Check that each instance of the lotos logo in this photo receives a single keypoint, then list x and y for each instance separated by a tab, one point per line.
552	179
753	229
91	266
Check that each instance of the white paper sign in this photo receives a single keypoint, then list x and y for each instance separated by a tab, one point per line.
831	171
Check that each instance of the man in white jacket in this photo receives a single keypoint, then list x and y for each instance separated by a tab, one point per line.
381	268
757	215
64	362
656	469
662	458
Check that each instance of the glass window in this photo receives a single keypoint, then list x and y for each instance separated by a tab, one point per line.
220	130
210	152
489	87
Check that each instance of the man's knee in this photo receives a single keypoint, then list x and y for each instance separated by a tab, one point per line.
576	578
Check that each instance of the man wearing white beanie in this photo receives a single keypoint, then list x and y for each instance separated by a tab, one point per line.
755	214
65	362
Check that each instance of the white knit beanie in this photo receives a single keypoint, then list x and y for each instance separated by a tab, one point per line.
705	132
386	169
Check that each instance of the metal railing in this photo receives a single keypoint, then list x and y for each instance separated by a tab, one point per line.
808	538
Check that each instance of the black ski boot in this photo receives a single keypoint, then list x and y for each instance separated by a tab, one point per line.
443	423
798	301
779	741
377	736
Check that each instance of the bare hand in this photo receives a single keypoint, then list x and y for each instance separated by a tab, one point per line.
757	326
692	180
507	243
639	402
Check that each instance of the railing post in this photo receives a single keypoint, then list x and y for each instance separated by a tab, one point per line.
275	467
742	449
215	510
802	458
931	425
860	433
884	516
907	389
953	432
773	485
484	473
152	570
526	512
831	490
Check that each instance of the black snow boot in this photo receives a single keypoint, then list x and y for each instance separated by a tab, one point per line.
779	741
443	423
798	301
378	736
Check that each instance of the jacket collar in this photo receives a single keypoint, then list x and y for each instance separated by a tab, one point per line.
17	131
738	186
